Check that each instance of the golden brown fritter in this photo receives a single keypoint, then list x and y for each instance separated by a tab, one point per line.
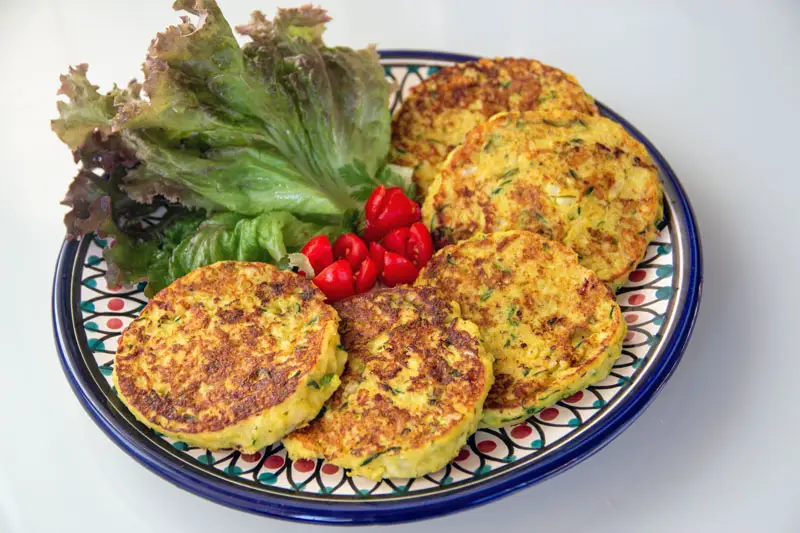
412	390
551	324
233	354
437	114
578	179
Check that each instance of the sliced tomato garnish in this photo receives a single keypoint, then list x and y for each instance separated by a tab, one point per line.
319	252
336	280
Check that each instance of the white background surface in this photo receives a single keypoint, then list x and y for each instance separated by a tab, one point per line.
714	86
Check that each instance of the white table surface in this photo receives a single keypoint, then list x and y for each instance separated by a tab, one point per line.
714	86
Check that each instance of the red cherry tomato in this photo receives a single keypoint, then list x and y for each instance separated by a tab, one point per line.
371	234
414	243
420	245
319	252
373	205
350	247
388	210
376	253
396	241
336	280
397	269
397	210
367	275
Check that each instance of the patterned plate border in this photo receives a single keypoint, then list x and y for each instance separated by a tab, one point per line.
568	451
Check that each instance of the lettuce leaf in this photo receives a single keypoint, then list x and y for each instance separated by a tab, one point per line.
226	152
146	256
86	112
284	123
84	125
189	242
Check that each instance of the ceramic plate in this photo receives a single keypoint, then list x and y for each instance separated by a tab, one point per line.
659	303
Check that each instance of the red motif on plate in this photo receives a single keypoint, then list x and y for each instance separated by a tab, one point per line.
304	465
273	462
551	413
635	299
329	469
521	431
637	275
486	446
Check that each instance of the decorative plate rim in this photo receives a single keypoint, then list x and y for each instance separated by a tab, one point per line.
371	512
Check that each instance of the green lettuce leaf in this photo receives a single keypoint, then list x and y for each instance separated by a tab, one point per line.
189	242
86	111
226	152
145	256
284	123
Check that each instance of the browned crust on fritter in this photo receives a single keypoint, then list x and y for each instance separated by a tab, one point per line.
227	365
364	317
499	84
365	420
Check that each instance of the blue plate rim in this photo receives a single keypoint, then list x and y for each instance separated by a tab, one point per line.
276	506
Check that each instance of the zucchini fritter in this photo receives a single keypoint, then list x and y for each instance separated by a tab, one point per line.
232	355
438	113
412	391
551	324
578	179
